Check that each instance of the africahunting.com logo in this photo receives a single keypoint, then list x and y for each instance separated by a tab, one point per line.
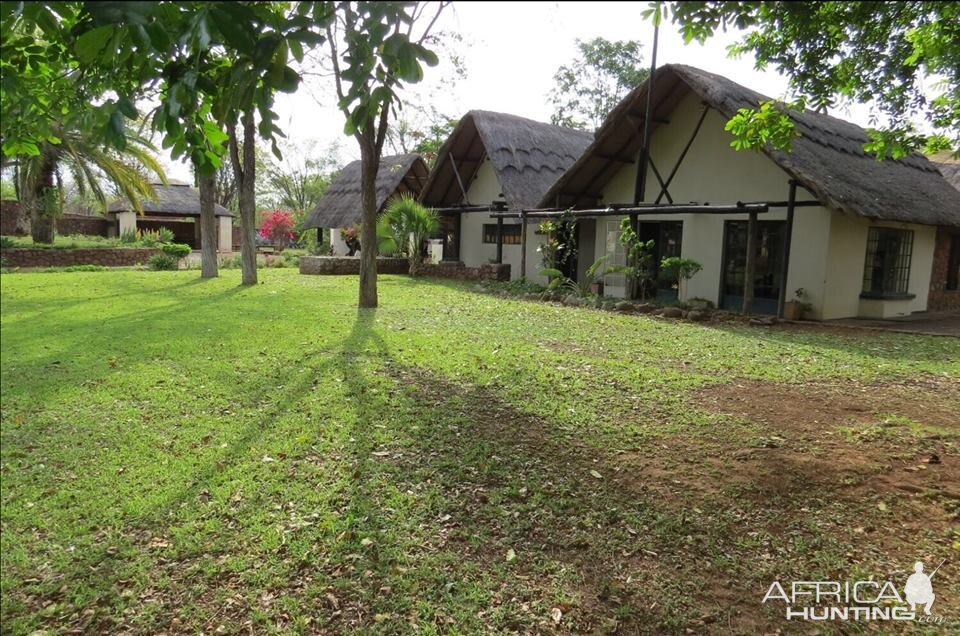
859	600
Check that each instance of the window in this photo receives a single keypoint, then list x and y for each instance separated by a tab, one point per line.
511	234
887	270
953	264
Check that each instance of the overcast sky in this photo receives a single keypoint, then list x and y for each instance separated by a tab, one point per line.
511	51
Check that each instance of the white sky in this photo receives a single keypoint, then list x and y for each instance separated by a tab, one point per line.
511	51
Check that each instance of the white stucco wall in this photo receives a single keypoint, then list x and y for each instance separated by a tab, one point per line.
337	244
225	233
127	222
828	248
484	189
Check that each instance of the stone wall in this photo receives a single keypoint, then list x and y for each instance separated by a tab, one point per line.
335	265
106	256
82	224
459	271
940	298
91	225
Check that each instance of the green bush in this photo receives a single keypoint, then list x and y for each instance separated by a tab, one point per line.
162	262
128	236
6	241
176	250
166	235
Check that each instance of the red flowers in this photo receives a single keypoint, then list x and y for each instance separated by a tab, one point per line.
277	227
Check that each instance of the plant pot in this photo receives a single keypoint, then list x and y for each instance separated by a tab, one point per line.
792	310
596	288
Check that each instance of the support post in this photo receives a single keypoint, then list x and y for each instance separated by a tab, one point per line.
683	155
750	266
523	244
640	186
456	173
499	239
787	237
319	236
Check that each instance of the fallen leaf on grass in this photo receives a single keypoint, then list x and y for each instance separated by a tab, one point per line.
882	507
511	555
596	474
556	615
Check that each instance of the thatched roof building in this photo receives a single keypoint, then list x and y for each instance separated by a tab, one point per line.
341	205
527	156
827	159
172	199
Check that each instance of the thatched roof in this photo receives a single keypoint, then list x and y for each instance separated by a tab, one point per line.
827	159
341	205
527	156
950	172
173	199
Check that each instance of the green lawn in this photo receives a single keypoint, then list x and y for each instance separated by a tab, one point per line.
180	455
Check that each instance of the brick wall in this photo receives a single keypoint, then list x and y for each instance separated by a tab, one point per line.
67	224
82	224
336	266
940	298
333	265
8	217
109	257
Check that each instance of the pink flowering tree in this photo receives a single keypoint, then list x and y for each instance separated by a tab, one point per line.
277	227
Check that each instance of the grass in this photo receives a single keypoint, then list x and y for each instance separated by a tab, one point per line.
184	456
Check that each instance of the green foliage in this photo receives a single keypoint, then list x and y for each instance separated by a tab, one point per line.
176	250
850	52
299	181
768	126
165	234
587	89
162	262
6	241
129	237
639	257
404	227
559	246
679	269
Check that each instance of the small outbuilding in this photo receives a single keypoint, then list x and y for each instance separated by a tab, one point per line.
497	162
341	207
175	206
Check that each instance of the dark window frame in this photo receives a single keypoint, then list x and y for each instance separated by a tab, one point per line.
889	254
511	234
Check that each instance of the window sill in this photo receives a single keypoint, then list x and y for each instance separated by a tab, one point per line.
876	296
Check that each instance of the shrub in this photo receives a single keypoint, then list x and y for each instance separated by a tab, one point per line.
149	238
166	235
176	250
404	228
162	262
6	241
277	226
128	236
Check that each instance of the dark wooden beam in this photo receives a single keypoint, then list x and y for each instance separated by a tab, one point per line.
453	164
787	237
650	209
523	245
750	267
683	155
659	177
499	239
640	185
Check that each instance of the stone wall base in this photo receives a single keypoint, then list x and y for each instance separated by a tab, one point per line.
106	256
336	266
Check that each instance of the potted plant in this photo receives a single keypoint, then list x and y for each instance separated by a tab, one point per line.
679	270
794	309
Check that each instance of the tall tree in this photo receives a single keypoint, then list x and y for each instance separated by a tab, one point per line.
374	51
216	65
422	133
890	54
587	89
208	225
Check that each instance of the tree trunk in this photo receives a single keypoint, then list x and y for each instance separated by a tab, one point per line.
208	227
43	203
369	163
244	169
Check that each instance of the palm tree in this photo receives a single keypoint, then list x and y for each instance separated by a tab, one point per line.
91	166
403	227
